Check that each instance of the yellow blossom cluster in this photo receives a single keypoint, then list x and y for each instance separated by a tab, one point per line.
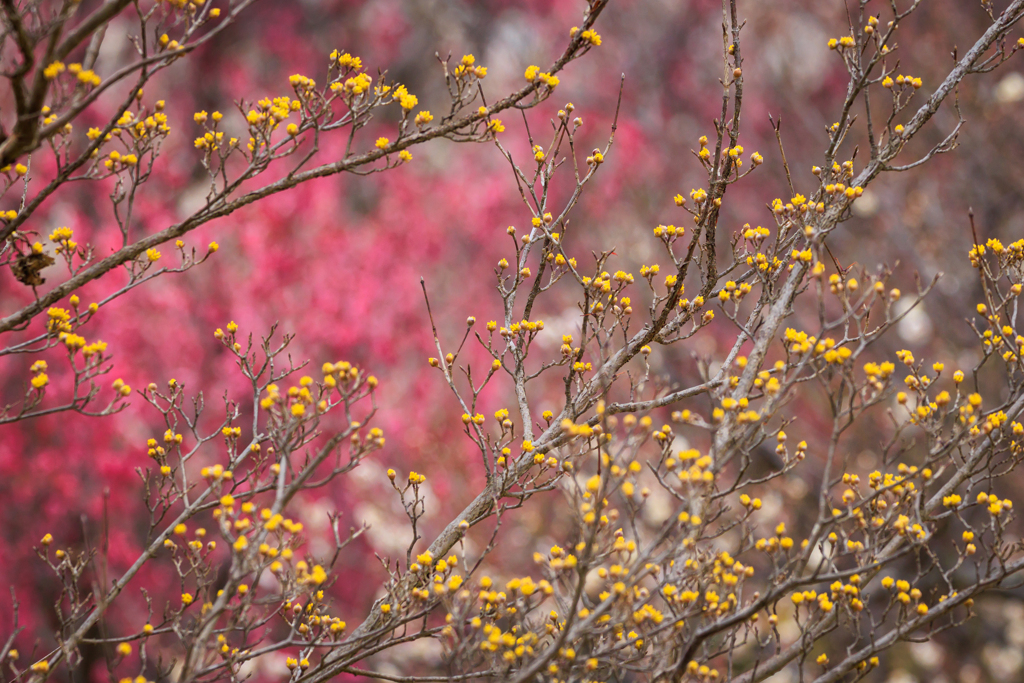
468	67
534	75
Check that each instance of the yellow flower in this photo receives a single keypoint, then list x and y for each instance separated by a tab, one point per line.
53	70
